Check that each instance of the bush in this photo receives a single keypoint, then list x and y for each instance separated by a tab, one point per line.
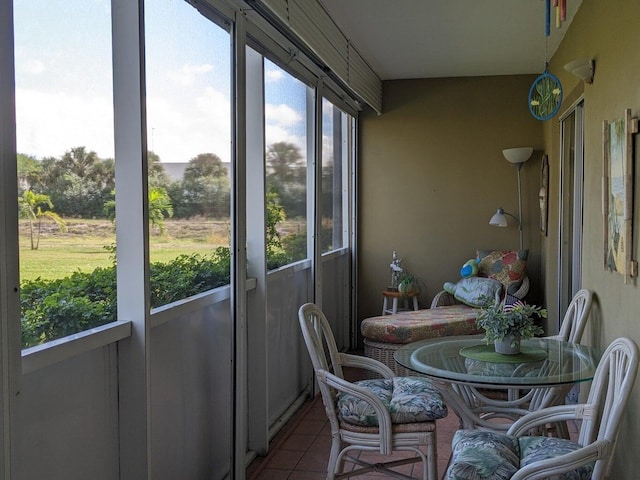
53	309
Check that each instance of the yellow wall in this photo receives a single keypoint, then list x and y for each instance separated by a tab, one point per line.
432	173
607	32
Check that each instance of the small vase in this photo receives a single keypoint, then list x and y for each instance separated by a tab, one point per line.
508	345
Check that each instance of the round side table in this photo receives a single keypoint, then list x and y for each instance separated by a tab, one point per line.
394	296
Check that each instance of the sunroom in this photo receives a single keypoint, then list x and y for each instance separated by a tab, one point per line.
303	169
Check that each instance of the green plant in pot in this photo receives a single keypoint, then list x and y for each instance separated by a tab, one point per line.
409	283
506	326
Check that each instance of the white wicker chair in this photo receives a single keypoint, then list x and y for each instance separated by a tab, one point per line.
571	330
575	318
519	456
386	437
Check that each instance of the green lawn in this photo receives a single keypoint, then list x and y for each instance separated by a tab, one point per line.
82	246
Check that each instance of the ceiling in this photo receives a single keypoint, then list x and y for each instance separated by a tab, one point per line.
449	38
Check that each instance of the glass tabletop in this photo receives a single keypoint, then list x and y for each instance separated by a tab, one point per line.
468	359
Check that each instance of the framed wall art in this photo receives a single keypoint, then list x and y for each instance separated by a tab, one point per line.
544	194
617	195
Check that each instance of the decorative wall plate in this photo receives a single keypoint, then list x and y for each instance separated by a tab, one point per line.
545	96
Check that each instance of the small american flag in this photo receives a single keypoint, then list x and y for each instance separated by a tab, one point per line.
511	302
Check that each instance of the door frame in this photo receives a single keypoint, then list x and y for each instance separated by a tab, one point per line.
570	233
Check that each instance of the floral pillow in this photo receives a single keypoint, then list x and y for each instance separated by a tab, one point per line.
506	266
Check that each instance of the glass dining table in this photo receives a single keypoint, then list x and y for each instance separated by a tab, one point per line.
489	390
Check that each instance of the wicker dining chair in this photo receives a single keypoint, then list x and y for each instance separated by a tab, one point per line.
517	455
571	330
575	318
386	415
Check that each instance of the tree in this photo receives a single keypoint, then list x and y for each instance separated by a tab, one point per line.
287	176
78	183
157	175
283	161
205	188
29	172
159	208
205	165
77	160
31	206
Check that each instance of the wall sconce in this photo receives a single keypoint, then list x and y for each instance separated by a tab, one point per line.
581	68
500	220
515	156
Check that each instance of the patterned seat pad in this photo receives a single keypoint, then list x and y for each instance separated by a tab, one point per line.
483	455
408	399
407	327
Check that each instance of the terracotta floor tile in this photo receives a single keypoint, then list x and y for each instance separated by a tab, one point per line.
298	442
273	474
285	459
305	475
309	427
315	459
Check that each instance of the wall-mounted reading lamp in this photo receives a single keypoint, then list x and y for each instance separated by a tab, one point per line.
515	156
581	68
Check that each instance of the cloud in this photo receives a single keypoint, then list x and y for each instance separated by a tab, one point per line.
273	75
49	124
182	127
32	66
282	115
188	74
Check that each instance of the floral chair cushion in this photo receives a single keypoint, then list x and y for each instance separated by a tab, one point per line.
506	266
409	399
482	455
533	449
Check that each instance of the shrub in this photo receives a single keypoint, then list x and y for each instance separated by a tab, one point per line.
53	309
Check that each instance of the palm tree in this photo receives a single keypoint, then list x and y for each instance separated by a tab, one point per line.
159	207
34	207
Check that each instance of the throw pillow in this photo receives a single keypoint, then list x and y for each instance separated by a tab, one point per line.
506	266
475	291
470	268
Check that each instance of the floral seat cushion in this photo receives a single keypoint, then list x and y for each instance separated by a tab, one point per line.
533	449
482	455
408	399
407	327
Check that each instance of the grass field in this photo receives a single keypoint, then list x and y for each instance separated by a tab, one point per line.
82	246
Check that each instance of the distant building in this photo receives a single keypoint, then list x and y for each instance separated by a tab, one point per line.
175	170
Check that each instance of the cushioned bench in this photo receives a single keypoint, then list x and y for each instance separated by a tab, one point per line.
385	334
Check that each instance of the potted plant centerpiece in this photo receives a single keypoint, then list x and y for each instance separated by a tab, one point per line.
507	325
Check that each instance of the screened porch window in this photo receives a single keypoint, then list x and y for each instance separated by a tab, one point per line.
64	124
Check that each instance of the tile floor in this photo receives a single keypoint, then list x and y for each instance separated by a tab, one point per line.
301	450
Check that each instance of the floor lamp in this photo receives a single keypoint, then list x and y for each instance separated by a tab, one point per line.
515	156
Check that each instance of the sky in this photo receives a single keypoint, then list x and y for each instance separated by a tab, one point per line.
64	82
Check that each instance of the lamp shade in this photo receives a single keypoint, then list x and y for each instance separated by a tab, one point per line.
581	68
517	155
498	220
